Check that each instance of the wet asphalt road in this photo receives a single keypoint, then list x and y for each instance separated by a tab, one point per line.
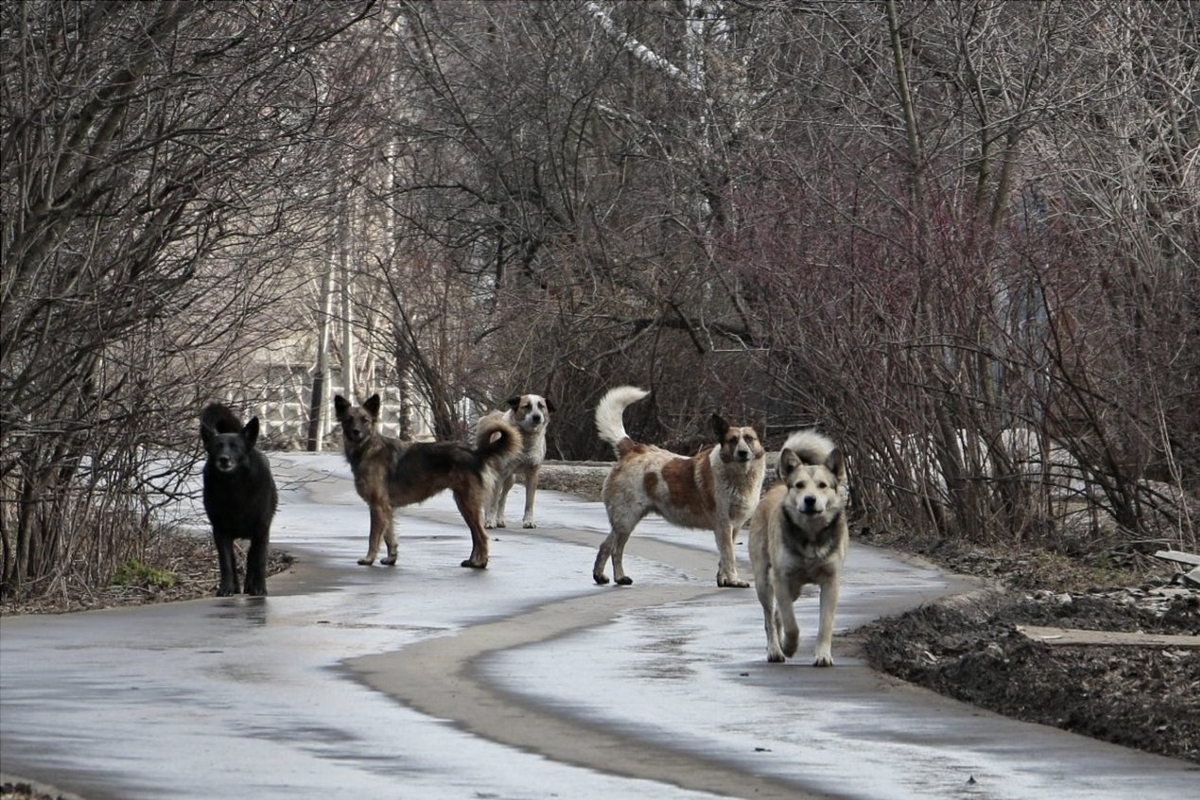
524	681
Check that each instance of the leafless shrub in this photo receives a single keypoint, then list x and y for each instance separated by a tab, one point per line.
155	178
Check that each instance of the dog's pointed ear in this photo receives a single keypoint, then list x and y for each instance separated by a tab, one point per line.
250	433
719	426
372	406
340	407
788	461
549	405
513	402
836	463
206	433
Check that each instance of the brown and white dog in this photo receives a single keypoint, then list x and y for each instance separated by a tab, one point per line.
799	535
389	473
530	413
717	488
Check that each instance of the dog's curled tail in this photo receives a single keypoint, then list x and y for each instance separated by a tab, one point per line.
216	418
610	422
813	448
497	442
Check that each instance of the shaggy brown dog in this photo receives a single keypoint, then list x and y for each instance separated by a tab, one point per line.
389	473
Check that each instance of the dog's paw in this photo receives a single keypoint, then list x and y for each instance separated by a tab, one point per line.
823	657
600	578
473	565
624	580
726	582
390	561
225	592
775	657
528	524
366	562
790	642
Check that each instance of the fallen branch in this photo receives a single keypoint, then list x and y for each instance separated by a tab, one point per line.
1073	637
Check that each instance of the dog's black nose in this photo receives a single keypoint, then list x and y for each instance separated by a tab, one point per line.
810	502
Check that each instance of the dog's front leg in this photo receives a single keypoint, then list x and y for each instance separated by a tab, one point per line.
496	496
256	567
531	484
227	562
381	514
502	489
389	538
829	599
766	596
727	572
785	599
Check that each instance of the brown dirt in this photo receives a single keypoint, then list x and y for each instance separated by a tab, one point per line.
191	561
969	648
19	790
1141	697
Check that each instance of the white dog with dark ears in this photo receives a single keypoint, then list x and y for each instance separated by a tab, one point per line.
798	536
530	413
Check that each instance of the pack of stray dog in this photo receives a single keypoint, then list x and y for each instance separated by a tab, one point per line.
798	529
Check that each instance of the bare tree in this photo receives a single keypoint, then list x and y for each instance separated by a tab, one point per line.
156	165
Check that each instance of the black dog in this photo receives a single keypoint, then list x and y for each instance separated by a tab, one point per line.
239	496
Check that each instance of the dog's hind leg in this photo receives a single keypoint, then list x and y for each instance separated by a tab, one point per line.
727	572
602	556
472	514
618	555
829	599
227	562
623	522
531	484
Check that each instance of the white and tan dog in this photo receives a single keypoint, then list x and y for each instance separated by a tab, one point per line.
531	414
798	536
716	489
